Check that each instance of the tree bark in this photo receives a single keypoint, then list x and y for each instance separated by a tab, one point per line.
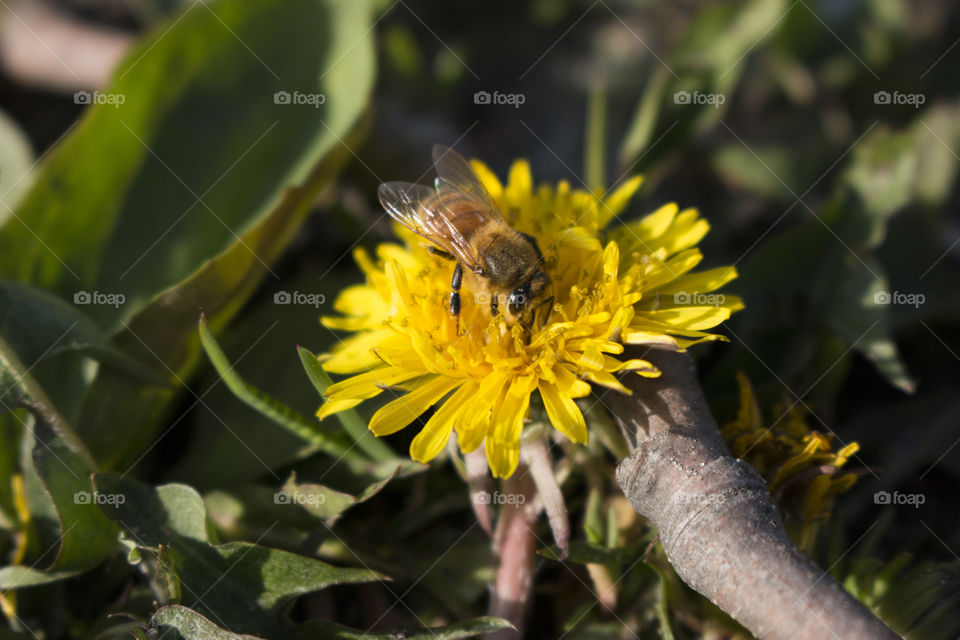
717	523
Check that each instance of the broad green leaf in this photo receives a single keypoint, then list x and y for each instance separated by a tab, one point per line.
881	177
859	313
323	630
130	204
336	444
39	325
923	603
87	536
327	503
164	334
58	479
19	577
176	622
770	173
350	419
242	586
16	161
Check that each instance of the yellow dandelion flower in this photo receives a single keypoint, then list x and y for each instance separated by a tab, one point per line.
627	285
800	465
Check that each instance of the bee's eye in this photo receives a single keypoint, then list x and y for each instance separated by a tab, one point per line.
518	300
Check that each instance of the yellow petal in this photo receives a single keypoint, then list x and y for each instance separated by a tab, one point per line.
591	358
474	425
672	269
688	229
434	435
641	367
607	379
503	445
564	413
519	183
489	180
617	201
650	338
369	384
356	354
569	384
691	317
397	414
702	282
650	226
331	407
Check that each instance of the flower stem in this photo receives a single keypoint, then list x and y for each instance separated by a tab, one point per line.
513	547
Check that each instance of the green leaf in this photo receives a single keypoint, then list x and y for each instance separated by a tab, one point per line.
350	419
860	316
336	444
116	203
175	622
59	475
595	144
639	133
39	325
327	503
881	179
242	586
323	630
16	161
583	552
20	577
129	203
923	603
87	536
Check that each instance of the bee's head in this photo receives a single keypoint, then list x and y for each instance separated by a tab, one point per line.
521	298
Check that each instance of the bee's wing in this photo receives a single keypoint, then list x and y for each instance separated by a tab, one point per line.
418	208
458	183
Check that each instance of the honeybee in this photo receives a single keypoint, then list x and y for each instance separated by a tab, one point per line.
462	223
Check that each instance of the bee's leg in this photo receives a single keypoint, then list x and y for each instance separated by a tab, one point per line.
548	303
455	294
440	252
493	305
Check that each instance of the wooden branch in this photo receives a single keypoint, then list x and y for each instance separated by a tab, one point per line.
717	523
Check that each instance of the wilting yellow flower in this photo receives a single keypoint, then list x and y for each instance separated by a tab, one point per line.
627	285
799	464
